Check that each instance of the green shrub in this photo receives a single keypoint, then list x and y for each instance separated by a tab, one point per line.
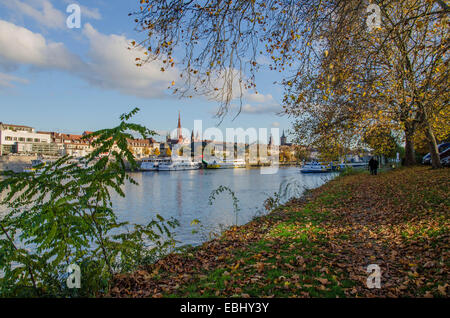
64	216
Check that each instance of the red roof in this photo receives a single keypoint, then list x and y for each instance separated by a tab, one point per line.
19	126
139	142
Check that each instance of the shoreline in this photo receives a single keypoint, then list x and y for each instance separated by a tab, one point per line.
320	245
18	163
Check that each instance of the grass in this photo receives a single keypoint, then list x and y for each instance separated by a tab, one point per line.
321	247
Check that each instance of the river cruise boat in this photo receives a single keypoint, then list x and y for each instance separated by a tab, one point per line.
152	163
226	163
316	167
336	166
34	166
179	163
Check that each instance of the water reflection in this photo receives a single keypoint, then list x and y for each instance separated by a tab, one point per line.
184	195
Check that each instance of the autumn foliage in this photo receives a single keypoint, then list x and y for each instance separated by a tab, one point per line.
342	79
321	246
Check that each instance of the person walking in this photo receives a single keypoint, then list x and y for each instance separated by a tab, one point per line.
373	166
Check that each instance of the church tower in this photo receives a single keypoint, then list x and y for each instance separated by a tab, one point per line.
283	139
180	135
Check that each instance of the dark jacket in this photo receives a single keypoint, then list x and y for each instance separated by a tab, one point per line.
373	163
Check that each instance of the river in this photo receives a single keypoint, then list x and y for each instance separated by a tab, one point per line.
184	195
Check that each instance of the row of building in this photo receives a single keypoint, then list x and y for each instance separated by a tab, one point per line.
17	139
20	139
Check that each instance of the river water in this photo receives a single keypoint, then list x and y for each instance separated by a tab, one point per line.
184	195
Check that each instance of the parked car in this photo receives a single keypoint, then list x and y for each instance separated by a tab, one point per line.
446	161
441	149
444	154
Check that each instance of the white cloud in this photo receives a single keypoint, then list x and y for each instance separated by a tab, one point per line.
92	13
19	45
263	60
44	13
40	10
6	80
259	98
257	104
260	104
112	66
261	108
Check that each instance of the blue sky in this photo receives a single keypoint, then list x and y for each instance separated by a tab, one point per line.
69	80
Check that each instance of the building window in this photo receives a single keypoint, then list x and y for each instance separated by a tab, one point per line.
8	138
21	139
36	140
29	139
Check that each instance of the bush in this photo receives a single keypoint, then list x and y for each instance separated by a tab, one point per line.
64	216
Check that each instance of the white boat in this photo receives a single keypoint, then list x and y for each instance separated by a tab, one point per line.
226	163
34	166
179	163
152	163
80	163
316	167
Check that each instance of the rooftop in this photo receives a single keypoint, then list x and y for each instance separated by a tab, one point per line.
11	125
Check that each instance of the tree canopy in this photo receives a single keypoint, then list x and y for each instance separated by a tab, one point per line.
342	77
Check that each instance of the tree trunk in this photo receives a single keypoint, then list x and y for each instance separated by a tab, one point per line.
410	156
434	152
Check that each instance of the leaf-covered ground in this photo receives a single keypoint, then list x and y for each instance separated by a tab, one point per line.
321	245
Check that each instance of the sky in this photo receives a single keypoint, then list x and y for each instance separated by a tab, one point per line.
56	78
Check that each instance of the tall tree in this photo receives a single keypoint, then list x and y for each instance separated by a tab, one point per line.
220	42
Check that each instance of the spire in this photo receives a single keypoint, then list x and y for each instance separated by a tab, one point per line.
283	139
180	136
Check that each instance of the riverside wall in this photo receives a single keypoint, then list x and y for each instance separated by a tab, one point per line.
15	163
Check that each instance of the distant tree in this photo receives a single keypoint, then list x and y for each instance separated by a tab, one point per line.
301	153
382	142
184	151
168	152
156	152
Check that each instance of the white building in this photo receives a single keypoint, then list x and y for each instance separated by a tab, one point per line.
76	146
24	140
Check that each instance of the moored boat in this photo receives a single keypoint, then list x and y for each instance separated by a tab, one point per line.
226	163
152	163
315	167
37	166
178	164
